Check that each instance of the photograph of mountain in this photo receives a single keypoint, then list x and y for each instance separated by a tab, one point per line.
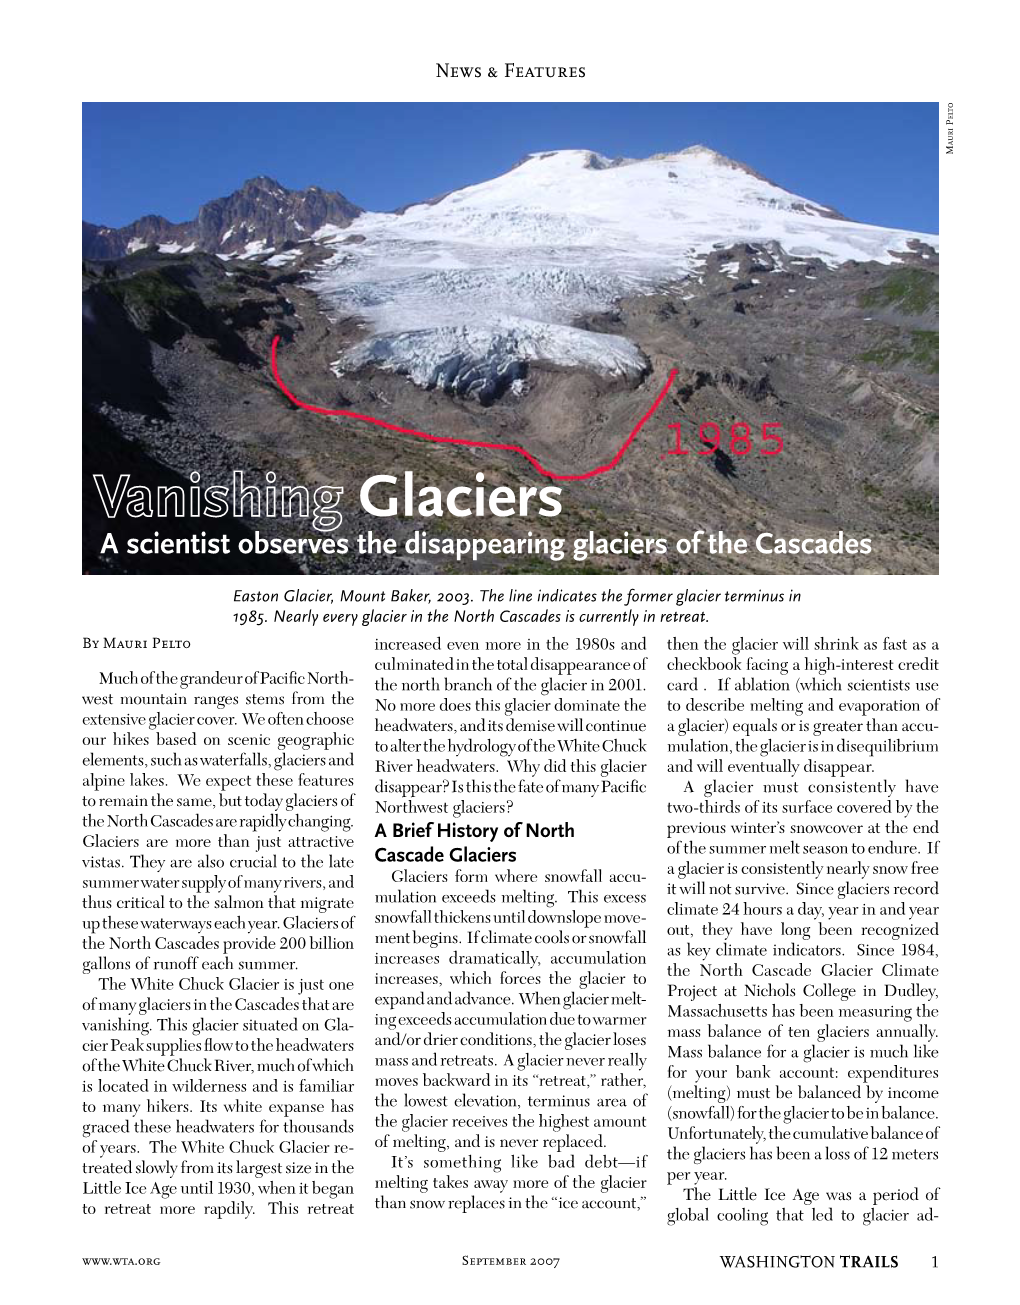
598	321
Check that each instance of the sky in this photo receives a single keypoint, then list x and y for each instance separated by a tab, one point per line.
874	162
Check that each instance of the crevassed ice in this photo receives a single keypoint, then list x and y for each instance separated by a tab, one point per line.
482	360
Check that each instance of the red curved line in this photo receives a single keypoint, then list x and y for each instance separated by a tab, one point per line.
476	444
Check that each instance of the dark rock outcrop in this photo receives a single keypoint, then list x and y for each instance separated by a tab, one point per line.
261	216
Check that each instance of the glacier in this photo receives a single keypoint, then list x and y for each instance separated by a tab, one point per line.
482	360
464	291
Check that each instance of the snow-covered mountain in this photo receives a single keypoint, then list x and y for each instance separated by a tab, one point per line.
462	292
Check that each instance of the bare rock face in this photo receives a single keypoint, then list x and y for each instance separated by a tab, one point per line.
260	217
